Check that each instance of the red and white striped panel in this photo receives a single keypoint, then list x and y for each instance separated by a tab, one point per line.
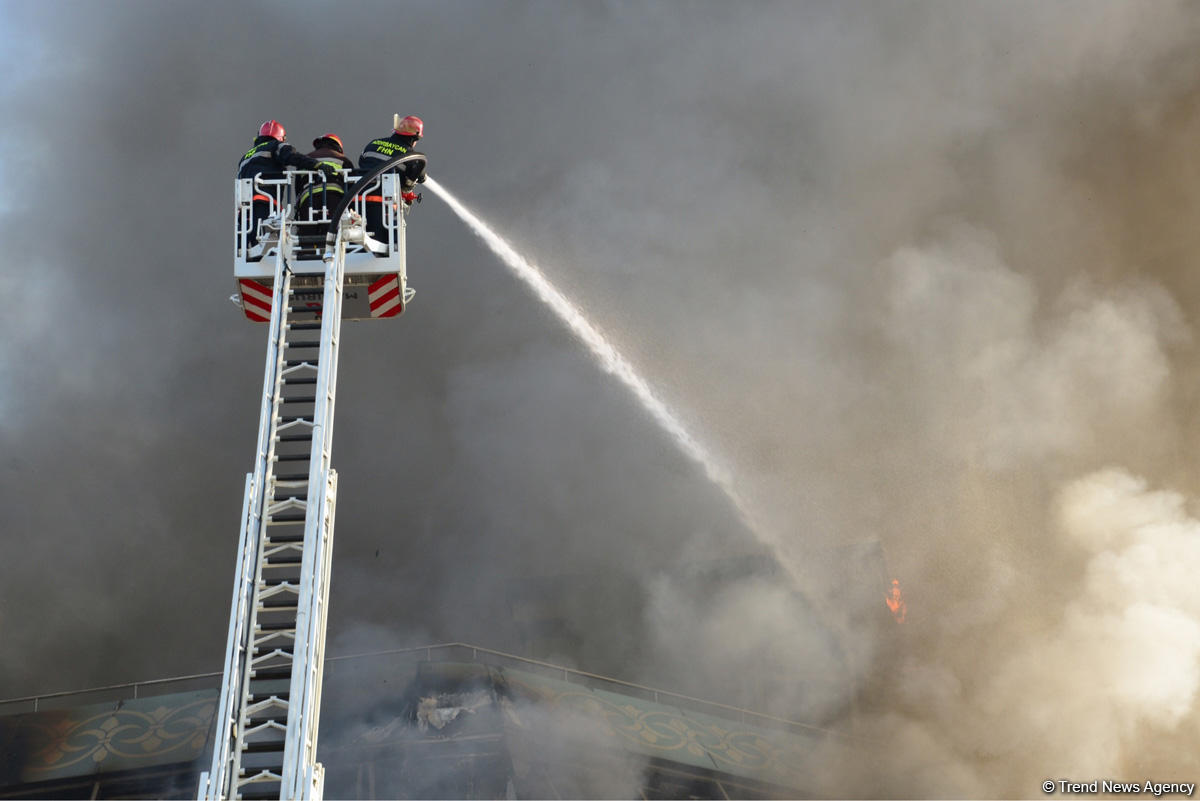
256	300
384	296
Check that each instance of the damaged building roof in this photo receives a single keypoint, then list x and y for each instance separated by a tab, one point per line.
441	721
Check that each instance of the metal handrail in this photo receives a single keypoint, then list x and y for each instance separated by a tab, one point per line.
743	715
281	190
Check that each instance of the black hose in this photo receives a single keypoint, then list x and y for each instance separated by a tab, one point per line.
363	183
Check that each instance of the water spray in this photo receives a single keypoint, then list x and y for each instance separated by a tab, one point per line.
607	357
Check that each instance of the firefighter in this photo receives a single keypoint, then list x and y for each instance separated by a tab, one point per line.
271	153
324	195
405	133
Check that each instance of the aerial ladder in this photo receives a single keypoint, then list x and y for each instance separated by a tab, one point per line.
302	269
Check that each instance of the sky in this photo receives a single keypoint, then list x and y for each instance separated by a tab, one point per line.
920	274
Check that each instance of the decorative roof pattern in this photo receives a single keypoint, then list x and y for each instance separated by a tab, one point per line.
138	733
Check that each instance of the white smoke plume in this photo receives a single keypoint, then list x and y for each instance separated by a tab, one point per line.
1123	660
1084	693
1055	631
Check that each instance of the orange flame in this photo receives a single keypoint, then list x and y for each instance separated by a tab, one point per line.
896	603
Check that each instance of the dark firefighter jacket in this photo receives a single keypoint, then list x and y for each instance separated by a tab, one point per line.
313	191
380	150
271	155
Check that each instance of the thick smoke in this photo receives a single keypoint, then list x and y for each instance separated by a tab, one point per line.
1135	627
921	274
1112	669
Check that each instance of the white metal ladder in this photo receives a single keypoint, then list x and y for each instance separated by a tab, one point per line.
268	713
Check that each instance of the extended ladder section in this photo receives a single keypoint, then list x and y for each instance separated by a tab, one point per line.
266	738
326	256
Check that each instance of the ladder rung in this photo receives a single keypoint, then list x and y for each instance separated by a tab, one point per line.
278	566
269	655
263	776
263	748
305	380
285	503
293	438
276	709
297	362
300	399
291	418
293	457
271	674
277	627
301	309
291	477
268	585
286	640
277	588
286	519
276	607
304	343
313	326
278	582
269	726
279	539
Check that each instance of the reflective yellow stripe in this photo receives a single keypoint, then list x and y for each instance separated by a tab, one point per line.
315	188
254	150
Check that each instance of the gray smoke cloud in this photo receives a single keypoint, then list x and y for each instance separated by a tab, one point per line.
921	273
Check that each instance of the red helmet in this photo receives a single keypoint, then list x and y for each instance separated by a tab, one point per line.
272	129
337	140
409	126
